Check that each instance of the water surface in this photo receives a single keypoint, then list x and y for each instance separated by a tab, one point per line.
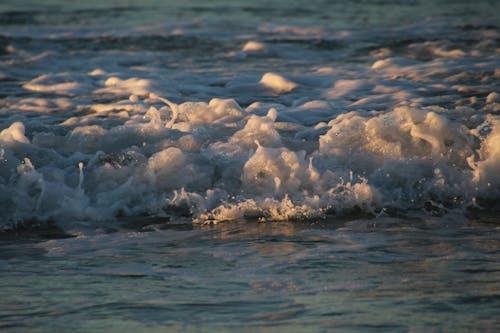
278	166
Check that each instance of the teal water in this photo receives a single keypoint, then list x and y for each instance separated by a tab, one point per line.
398	275
340	13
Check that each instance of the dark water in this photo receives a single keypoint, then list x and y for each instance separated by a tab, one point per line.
388	274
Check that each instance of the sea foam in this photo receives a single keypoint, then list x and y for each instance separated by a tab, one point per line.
298	123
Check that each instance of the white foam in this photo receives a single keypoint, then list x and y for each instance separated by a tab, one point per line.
196	129
261	129
15	133
253	46
64	83
277	83
132	86
487	169
493	97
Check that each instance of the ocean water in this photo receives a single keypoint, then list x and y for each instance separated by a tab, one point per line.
281	166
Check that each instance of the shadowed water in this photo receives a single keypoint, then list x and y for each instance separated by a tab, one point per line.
375	275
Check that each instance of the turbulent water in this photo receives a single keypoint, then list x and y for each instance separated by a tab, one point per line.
134	127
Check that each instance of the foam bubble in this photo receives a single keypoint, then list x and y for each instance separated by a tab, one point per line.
486	170
253	46
132	86
277	83
493	97
14	133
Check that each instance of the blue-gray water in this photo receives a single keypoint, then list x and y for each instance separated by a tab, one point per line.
264	166
398	275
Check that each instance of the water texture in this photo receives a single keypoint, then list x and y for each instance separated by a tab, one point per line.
249	166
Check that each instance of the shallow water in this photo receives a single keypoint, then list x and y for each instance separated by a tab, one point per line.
281	166
389	274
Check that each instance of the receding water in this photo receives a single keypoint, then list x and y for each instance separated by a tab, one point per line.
373	275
